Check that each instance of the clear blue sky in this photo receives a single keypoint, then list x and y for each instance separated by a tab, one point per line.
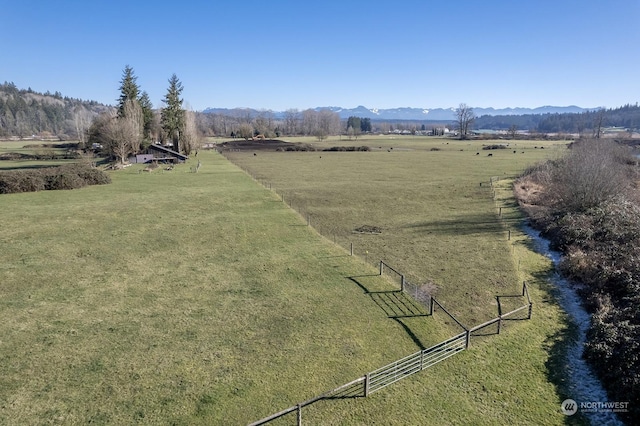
300	54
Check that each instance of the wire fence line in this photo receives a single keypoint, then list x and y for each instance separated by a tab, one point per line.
416	362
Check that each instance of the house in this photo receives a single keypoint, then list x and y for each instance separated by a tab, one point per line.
159	154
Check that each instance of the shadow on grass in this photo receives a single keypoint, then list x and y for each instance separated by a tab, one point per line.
395	304
411	334
334	257
467	225
30	167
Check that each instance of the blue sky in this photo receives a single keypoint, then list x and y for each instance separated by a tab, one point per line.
297	54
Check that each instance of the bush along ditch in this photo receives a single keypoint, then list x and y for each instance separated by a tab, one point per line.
588	205
69	176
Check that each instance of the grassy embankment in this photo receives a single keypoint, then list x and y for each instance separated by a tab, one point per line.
199	298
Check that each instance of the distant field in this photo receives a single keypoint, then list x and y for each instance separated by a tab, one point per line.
31	147
184	298
438	224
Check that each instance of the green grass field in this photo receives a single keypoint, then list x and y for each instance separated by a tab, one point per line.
182	298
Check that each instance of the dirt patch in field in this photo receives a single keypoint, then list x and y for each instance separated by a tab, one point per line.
368	229
264	145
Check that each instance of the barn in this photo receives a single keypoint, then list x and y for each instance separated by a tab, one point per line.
159	154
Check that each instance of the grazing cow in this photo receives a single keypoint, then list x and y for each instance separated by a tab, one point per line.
490	155
477	153
254	154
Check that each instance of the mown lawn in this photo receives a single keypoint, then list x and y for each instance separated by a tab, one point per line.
181	298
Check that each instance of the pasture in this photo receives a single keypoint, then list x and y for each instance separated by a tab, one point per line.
429	198
184	298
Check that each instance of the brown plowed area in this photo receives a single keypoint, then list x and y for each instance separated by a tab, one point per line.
257	145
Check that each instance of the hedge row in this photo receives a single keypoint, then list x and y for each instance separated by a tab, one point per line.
69	176
587	205
348	148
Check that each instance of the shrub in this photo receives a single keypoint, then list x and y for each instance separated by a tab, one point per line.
69	176
590	214
299	147
348	148
594	172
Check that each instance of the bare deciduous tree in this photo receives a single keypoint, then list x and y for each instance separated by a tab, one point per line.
599	122
465	118
81	121
291	121
328	123
190	136
118	135
245	130
134	115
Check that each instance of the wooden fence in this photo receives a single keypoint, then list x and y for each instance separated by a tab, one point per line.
414	363
382	377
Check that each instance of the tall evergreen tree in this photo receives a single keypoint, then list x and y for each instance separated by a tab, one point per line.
128	89
147	114
172	115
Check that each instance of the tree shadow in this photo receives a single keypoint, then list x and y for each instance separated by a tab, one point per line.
467	225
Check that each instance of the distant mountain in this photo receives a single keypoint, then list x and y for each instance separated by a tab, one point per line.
407	113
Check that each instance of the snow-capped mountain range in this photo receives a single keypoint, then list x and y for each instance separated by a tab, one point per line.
436	114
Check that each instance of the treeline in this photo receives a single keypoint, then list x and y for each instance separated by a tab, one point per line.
246	123
627	116
25	112
587	204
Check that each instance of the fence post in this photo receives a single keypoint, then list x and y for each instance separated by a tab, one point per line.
367	380
402	282
299	415
430	305
381	267
530	310
468	339
499	323
351	250
509	238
